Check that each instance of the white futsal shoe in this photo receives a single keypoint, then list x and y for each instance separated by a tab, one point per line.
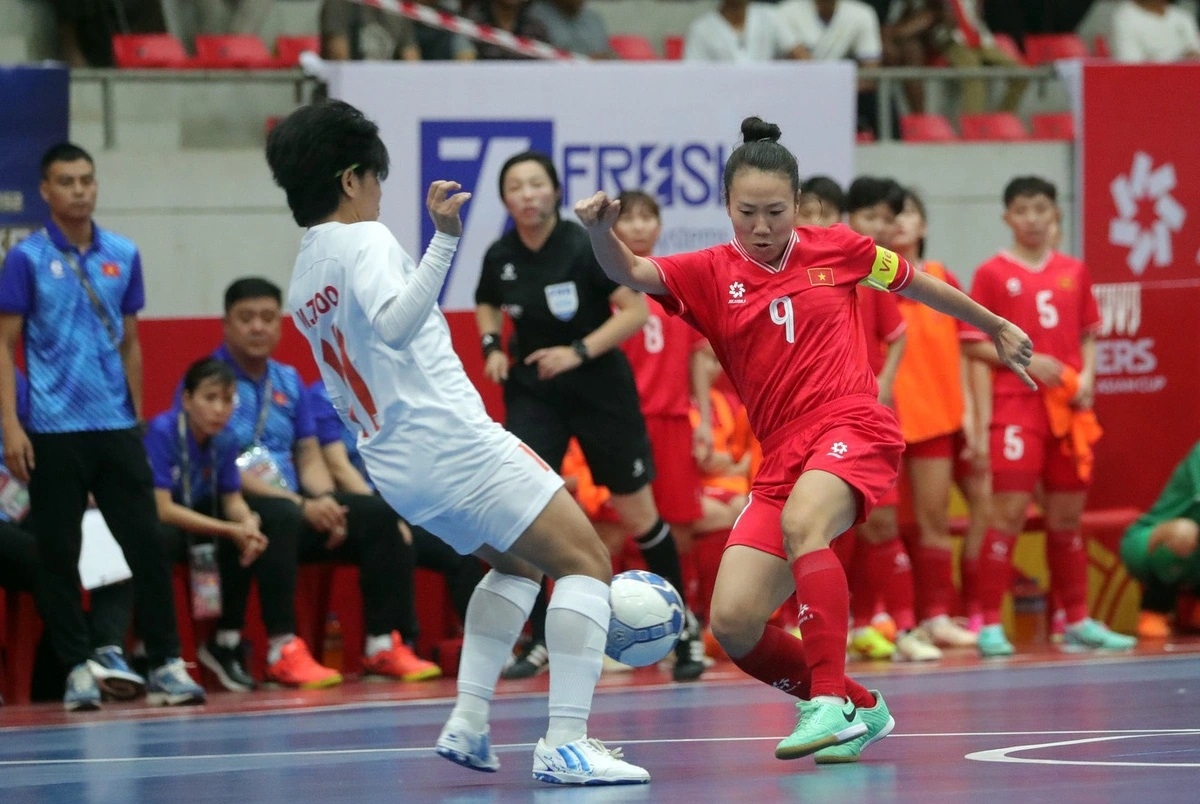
464	746
584	762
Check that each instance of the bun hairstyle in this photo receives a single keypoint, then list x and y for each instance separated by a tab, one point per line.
760	150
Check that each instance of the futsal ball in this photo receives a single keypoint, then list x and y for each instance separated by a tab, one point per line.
647	618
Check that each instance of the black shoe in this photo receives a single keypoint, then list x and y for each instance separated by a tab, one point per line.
228	664
689	652
533	659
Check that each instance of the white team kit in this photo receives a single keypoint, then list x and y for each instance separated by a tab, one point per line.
433	452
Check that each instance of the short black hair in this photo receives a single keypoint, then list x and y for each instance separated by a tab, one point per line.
251	287
205	369
64	152
825	190
910	194
631	199
867	191
529	156
310	149
1024	186
761	150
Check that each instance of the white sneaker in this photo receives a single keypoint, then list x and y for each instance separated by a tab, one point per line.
948	634
584	762
914	646
464	746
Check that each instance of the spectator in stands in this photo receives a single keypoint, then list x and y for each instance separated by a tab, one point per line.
572	26
438	44
71	292
833	30
957	31
86	29
285	480
1153	31
740	31
1161	550
508	15
353	32
232	16
340	447
905	36
197	489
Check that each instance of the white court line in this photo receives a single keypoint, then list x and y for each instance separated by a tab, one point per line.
350	752
1004	754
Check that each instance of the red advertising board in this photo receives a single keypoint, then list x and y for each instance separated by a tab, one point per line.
1141	218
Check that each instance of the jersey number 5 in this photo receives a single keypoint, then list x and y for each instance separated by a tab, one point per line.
1047	312
783	315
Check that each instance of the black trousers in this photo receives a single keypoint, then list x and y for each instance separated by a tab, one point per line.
373	544
112	466
462	573
274	569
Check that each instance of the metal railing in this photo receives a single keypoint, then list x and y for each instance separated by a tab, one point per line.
888	82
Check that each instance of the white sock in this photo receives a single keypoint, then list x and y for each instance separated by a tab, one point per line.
378	643
830	699
228	639
576	630
499	607
275	647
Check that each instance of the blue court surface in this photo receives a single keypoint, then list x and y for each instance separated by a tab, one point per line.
1047	728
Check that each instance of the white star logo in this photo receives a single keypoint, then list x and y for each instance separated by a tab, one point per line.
737	290
1153	185
838	449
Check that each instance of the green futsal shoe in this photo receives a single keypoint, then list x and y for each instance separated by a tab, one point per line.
820	725
879	725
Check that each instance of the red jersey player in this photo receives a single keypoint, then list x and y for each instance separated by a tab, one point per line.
777	306
1050	295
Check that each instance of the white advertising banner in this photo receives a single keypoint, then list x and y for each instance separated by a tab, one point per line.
663	128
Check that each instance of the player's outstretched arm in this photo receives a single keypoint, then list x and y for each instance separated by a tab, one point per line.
598	214
1013	347
400	318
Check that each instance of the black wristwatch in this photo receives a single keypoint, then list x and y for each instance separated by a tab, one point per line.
580	348
490	343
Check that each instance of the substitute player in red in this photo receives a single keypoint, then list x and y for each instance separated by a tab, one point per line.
1050	295
778	306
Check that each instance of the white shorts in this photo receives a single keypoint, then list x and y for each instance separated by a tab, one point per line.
501	507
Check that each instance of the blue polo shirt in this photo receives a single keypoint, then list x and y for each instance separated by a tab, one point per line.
216	461
77	381
288	417
331	428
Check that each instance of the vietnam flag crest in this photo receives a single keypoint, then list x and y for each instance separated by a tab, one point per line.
111	270
820	276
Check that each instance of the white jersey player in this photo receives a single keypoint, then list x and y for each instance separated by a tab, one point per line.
370	315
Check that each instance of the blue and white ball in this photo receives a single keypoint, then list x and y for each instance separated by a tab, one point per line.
647	618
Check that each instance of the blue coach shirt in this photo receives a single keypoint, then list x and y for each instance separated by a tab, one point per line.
76	378
287	415
331	428
211	468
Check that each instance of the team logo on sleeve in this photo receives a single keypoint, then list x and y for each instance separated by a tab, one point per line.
883	271
563	300
820	276
111	270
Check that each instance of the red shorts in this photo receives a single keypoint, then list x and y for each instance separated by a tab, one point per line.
946	447
676	484
856	439
1024	451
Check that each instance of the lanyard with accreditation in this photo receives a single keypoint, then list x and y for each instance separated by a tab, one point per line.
256	460
202	555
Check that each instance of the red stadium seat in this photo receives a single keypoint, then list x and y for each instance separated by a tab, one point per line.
632	47
1100	48
926	128
233	51
673	48
149	50
1008	45
1046	48
992	126
289	48
1053	126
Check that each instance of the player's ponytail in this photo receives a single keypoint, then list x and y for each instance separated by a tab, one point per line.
760	150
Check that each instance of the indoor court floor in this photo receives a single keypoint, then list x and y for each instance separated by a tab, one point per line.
1043	726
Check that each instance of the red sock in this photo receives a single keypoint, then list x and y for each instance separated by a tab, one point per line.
898	588
1068	571
970	586
933	579
824	609
864	594
995	573
778	660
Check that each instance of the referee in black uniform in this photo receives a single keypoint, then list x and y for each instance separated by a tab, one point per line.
566	376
